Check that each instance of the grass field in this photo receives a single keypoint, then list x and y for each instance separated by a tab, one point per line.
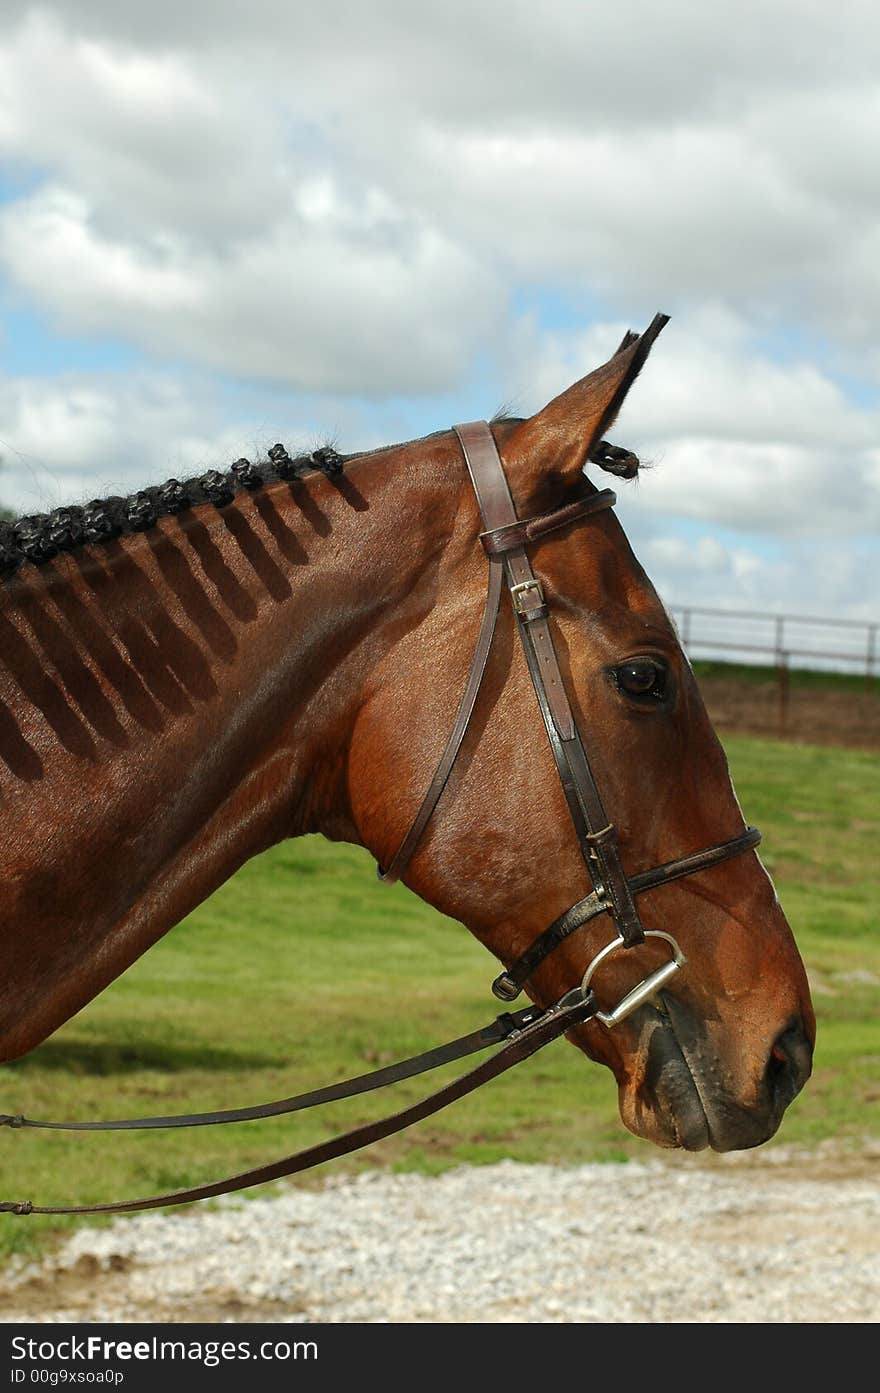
815	679
304	969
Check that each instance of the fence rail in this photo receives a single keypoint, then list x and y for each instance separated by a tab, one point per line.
837	645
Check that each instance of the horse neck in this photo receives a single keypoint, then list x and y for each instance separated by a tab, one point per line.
174	703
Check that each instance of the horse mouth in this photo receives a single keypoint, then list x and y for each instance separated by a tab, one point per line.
681	1100
671	1086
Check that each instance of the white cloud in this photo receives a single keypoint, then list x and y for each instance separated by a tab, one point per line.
89	282
359	177
339	198
779	489
146	140
706	556
181	217
631	62
316	303
810	578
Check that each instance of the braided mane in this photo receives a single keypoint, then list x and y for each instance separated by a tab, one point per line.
38	537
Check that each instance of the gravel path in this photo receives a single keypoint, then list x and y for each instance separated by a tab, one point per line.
776	1239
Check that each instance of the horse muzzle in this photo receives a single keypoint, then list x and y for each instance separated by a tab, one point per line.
689	1095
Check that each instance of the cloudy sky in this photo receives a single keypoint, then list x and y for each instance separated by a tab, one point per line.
223	224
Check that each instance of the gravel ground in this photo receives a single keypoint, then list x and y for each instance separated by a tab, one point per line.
776	1239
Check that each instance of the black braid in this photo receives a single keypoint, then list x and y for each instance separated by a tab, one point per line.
614	459
32	535
141	510
173	497
39	537
247	474
217	488
285	467
327	460
65	528
103	519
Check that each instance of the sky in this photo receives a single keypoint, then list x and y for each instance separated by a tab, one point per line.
223	225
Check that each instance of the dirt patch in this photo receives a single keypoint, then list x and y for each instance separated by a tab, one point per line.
73	1294
814	715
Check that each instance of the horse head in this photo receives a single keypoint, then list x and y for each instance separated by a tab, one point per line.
195	672
715	1055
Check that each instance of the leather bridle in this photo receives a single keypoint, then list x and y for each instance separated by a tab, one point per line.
505	538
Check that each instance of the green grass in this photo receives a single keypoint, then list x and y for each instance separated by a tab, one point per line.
812	678
303	969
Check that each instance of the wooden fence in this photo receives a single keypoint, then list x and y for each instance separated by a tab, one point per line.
781	642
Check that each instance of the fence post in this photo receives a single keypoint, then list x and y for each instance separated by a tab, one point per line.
871	655
782	680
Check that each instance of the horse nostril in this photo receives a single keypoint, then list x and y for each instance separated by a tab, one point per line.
790	1063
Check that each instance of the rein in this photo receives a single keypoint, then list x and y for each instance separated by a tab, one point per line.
521	1033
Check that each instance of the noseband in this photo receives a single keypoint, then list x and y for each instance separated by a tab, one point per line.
521	1033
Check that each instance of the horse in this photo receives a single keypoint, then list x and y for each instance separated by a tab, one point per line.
195	672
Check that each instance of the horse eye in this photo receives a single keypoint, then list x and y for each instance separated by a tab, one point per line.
642	677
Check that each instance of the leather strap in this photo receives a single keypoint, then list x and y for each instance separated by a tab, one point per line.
496	543
495	1033
402	856
596	835
518	534
510	982
549	1026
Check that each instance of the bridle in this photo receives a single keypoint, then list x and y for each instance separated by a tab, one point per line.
521	1033
504	540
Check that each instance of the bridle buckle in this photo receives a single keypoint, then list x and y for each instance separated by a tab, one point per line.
517	592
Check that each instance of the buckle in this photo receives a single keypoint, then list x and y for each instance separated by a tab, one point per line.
505	988
516	591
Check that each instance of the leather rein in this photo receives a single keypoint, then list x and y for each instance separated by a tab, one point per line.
520	1033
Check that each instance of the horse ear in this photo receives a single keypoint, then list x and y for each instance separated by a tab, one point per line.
559	439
